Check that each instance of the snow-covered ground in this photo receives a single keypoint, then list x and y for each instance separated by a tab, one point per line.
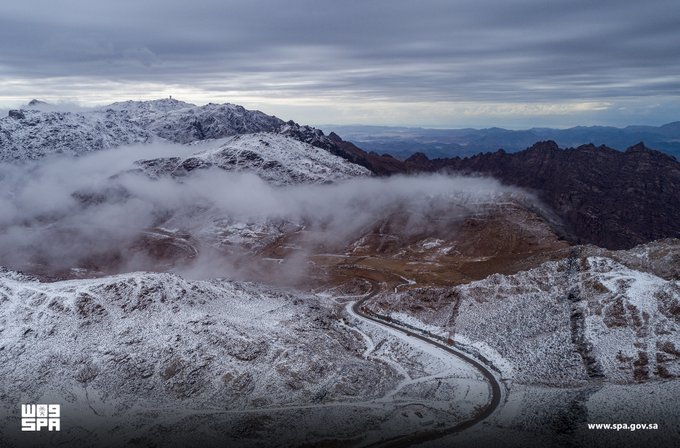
587	339
38	130
153	357
276	158
564	323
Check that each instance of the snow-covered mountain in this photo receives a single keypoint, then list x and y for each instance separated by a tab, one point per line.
143	344
145	359
593	316
39	130
32	134
277	158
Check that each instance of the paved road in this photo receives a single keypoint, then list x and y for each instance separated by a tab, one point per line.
429	435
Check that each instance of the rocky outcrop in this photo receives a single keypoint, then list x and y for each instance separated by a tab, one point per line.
585	319
605	197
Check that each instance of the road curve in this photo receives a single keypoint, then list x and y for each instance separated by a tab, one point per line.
429	435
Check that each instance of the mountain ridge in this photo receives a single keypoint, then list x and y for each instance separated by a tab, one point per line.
609	198
34	132
606	197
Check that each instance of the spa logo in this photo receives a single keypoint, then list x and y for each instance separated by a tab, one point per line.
35	417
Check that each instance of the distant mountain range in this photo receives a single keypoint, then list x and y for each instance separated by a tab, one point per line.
402	142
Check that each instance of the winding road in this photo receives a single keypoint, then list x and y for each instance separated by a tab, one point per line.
433	434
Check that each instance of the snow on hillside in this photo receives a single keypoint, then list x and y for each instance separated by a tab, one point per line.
660	257
31	134
583	340
40	129
276	158
563	323
147	358
132	344
210	122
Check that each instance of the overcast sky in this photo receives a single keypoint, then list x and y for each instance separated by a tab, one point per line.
434	63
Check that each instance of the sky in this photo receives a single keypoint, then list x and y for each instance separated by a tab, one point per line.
435	63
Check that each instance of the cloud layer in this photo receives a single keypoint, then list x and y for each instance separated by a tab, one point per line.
344	61
93	212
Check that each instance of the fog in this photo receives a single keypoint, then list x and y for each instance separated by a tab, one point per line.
100	214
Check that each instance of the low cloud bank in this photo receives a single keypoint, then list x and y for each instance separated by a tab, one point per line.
97	210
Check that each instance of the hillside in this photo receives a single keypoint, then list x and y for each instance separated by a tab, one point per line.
39	130
590	316
603	196
276	158
145	358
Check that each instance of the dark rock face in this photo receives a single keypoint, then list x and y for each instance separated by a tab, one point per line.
417	158
34	103
16	114
605	197
306	134
381	165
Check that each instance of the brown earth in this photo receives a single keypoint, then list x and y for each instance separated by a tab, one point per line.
506	239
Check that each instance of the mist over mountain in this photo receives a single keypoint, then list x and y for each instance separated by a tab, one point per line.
615	199
402	142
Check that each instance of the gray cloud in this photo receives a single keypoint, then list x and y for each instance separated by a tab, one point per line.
489	51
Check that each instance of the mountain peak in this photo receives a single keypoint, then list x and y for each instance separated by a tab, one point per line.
418	157
159	105
587	146
641	148
34	102
547	145
638	147
334	137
